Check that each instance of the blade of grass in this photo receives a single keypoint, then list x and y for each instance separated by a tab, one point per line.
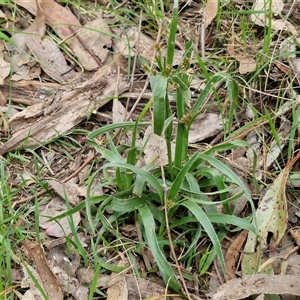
159	86
167	272
205	222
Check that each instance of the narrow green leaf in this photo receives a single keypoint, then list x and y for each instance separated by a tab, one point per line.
140	181
232	220
159	86
206	91
179	178
228	172
110	127
126	205
206	224
146	175
110	267
167	272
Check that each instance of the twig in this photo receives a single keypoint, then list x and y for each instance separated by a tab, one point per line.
87	161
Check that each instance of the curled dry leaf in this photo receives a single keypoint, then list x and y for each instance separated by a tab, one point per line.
4	66
271	219
47	52
51	285
247	64
56	16
60	227
211	10
233	253
262	19
95	36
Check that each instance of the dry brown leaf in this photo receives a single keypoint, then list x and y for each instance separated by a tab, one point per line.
51	285
68	190
4	66
64	257
205	125
295	233
19	51
156	148
56	16
70	285
60	227
47	52
211	10
27	72
67	26
96	36
118	286
247	64
133	39
86	276
119	112
51	59
262	19
3	100
20	59
32	292
233	253
258	284
128	287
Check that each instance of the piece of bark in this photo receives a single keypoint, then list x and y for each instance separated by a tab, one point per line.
249	285
41	123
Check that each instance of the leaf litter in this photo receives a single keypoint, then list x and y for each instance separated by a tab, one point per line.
59	109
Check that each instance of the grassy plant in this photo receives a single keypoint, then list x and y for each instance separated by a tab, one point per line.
173	206
186	208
